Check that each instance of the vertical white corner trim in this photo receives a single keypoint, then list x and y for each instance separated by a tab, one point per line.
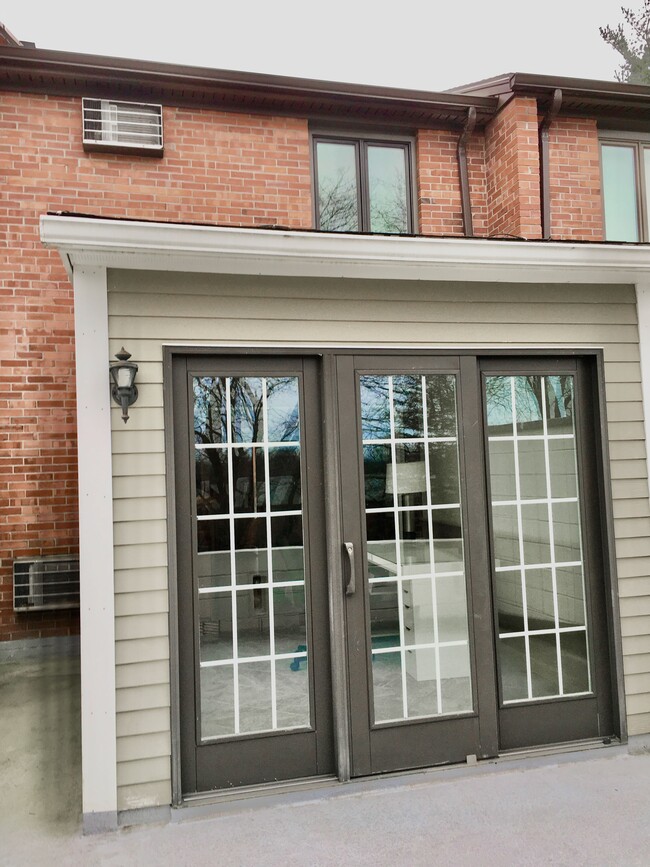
643	314
98	734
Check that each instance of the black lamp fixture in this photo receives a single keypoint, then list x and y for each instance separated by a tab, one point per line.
123	388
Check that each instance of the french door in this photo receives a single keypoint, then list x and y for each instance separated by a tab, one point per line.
469	529
255	699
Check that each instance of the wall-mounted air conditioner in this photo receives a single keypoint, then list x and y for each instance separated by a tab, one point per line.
122	127
46	582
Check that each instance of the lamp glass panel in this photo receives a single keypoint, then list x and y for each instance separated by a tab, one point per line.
125	377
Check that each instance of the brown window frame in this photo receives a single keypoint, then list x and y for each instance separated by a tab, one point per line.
362	141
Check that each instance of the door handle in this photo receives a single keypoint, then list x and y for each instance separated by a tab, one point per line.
351	583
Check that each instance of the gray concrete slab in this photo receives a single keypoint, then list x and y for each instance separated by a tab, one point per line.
40	738
587	809
581	813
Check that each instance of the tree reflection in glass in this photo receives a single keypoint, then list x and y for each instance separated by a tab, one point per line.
338	207
387	189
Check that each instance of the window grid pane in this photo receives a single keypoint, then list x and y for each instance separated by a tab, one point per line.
251	563
538	548
387	189
620	192
419	630
338	189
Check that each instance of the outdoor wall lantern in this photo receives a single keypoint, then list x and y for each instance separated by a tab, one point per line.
123	388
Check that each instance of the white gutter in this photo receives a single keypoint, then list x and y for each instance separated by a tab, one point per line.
211	249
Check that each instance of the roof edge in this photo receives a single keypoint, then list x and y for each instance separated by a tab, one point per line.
16	61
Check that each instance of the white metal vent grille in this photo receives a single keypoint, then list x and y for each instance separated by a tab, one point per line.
126	126
45	583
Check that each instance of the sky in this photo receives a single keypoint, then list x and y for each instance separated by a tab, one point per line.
417	44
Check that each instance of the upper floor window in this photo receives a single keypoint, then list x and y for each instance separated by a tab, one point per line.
363	185
626	178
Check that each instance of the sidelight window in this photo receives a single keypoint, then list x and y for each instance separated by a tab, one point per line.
538	557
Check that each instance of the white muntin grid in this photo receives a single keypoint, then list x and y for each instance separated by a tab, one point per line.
429	572
553	565
269	585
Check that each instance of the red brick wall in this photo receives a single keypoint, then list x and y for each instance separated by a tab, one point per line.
218	167
439	199
512	167
574	158
38	472
227	168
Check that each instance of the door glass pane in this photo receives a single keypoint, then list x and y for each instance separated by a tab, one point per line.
210	413
536	536
338	200
387	189
418	603
282	409
248	479
247	415
619	193
250	559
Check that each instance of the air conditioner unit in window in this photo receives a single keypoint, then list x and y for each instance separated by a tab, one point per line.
122	127
45	583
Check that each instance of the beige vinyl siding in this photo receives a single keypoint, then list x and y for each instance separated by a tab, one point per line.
148	310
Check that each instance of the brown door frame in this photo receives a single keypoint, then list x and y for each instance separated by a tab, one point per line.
242	760
334	531
582	717
430	741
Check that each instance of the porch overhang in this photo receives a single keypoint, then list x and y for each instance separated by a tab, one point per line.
89	246
95	242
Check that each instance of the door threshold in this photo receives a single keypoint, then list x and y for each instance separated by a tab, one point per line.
262	790
561	748
206	804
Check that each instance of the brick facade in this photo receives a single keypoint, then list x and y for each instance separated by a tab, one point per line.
512	169
576	204
218	167
233	169
439	201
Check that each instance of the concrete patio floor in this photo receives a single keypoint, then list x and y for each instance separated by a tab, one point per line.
580	808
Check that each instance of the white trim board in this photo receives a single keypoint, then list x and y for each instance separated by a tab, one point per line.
97	608
225	250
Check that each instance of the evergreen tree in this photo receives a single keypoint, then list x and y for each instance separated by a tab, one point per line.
632	42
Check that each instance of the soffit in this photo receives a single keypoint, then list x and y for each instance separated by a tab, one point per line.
584	98
610	102
62	73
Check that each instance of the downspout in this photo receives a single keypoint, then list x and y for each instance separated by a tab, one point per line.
465	201
544	168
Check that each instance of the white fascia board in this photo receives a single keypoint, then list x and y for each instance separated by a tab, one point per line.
211	249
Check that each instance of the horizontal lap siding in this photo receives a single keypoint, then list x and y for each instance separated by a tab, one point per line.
149	310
